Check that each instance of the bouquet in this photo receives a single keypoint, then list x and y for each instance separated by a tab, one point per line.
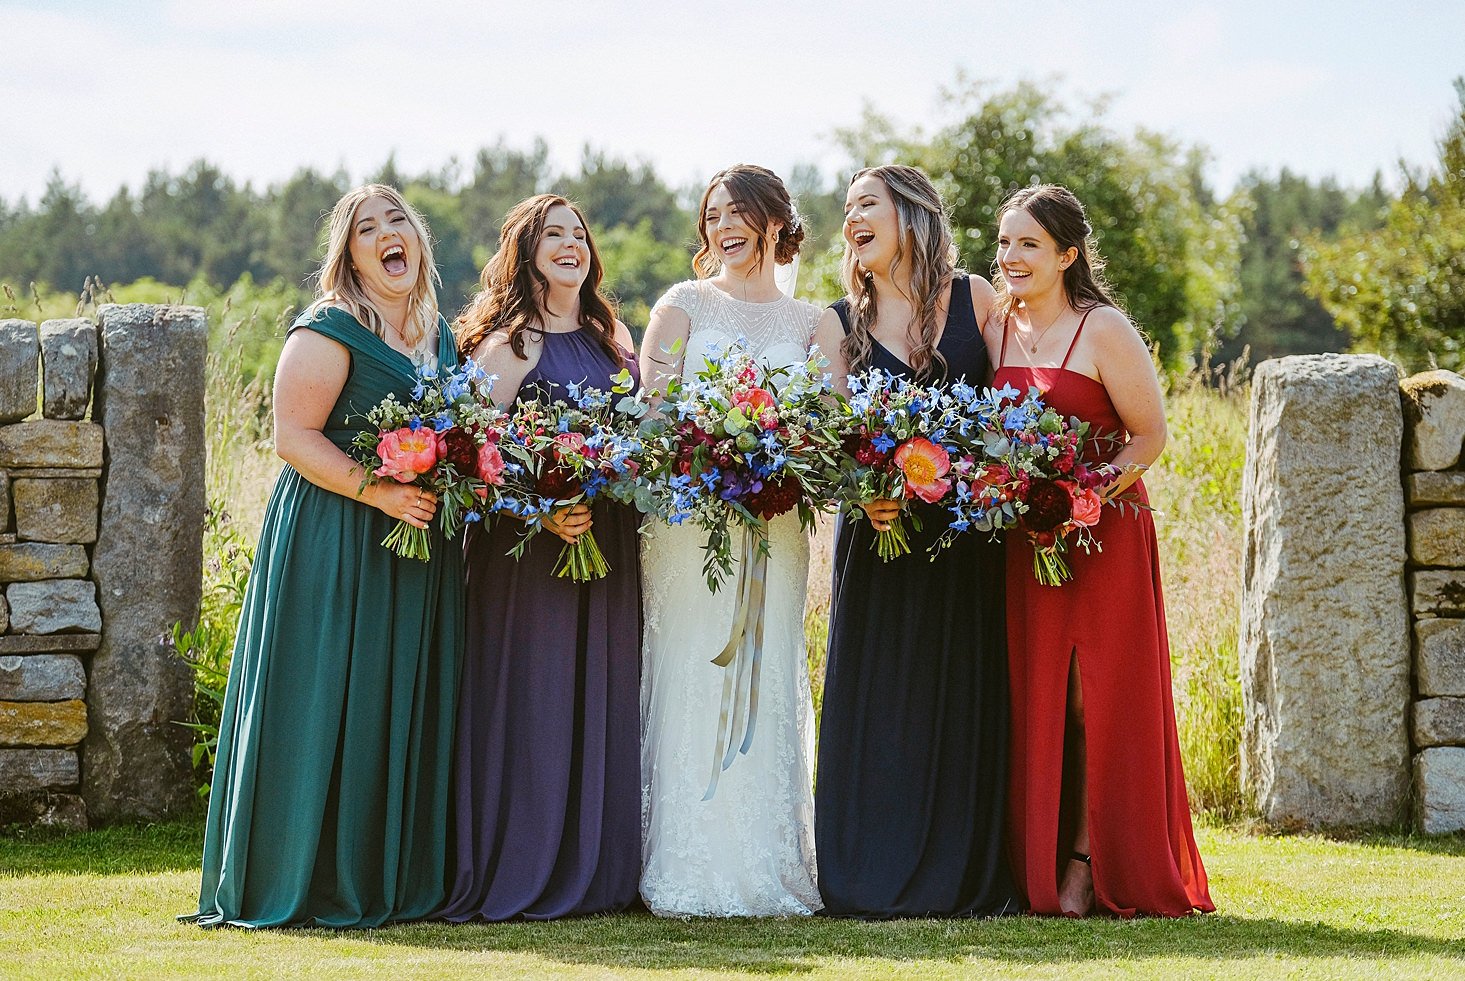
442	440
1043	471
739	444
893	444
562	453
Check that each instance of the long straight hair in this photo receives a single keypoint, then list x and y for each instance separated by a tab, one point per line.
339	283
925	254
1062	216
514	291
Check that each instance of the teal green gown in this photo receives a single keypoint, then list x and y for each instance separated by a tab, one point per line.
331	798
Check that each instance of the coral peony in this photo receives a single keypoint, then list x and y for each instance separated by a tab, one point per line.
1087	506
490	464
407	453
925	465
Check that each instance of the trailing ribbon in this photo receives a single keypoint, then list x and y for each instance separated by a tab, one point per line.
742	657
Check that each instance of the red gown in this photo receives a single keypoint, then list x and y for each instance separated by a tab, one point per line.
1112	616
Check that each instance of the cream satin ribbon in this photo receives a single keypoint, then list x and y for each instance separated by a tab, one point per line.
742	657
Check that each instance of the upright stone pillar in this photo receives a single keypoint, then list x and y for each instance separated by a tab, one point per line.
1325	660
147	561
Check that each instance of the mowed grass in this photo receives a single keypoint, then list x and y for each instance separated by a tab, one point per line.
103	904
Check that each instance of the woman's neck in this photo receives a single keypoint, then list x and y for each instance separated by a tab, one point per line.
755	285
1046	308
561	311
395	311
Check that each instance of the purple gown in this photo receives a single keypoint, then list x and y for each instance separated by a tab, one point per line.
547	779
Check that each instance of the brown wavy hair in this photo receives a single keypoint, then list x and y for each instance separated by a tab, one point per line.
339	285
925	253
762	199
513	293
1062	216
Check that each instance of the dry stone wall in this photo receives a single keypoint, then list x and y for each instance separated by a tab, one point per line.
104	491
1434	486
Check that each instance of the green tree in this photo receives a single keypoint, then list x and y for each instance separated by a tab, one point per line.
639	268
1400	290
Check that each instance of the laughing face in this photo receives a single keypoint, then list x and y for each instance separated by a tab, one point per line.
1028	256
734	242
385	250
562	255
871	225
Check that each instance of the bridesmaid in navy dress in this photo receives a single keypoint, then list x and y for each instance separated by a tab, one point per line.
910	799
547	765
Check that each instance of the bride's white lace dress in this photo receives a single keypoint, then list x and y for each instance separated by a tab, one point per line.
749	851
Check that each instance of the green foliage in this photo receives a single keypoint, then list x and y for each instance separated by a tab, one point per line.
1400	290
639	267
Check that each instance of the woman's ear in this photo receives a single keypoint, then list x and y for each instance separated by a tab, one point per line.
1068	258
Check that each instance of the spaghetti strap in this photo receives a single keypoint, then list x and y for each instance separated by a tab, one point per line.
1073	343
1002	358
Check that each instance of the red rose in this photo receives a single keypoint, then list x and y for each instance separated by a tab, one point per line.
1049	506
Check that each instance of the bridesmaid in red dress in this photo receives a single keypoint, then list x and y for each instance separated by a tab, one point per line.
1098	814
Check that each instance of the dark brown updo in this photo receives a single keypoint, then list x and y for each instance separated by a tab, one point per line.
763	200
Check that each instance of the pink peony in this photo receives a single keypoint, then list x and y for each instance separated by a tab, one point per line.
924	465
407	454
1087	506
490	464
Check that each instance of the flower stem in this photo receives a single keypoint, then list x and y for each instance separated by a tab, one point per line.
582	561
409	541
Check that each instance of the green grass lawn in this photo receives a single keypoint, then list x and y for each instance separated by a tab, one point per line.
102	904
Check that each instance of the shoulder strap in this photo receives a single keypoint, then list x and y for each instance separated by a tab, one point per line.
1002	358
1074	343
841	307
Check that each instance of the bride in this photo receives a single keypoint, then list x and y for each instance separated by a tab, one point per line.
743	846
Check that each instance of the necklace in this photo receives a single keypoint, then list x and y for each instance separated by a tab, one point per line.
1033	347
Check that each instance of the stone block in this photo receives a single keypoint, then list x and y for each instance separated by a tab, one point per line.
29	561
13	644
60	510
19	356
4	615
1436	535
41	678
1439	722
149	396
25	771
68	364
1438	592
1439	790
54	606
4	501
42	723
51	443
1434	408
1435	487
1439	657
1325	652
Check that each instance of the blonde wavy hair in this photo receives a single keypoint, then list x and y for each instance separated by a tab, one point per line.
925	254
340	286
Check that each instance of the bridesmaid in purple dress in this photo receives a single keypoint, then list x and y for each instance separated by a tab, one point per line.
547	762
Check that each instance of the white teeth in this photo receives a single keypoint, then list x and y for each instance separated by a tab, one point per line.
394	251
862	237
732	243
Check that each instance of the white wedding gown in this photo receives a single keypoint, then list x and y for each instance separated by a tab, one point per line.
749	851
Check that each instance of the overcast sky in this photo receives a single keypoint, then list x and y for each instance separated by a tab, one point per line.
105	91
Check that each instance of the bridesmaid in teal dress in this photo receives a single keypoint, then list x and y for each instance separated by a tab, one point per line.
330	796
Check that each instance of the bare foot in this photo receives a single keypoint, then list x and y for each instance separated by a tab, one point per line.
1076	891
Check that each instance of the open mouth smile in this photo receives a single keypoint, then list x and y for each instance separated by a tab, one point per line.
732	246
862	237
394	260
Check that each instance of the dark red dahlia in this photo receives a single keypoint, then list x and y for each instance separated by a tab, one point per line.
776	497
558	483
461	450
1049	506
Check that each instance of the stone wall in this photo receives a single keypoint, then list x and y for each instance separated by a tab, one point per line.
1353	595
1434	485
89	698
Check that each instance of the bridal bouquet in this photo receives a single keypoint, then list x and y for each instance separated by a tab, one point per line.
442	440
1043	471
562	453
740	444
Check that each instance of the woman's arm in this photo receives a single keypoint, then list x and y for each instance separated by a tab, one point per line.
312	372
664	349
829	338
1128	375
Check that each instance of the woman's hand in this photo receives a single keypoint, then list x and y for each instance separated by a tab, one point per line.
407	502
882	512
569	523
